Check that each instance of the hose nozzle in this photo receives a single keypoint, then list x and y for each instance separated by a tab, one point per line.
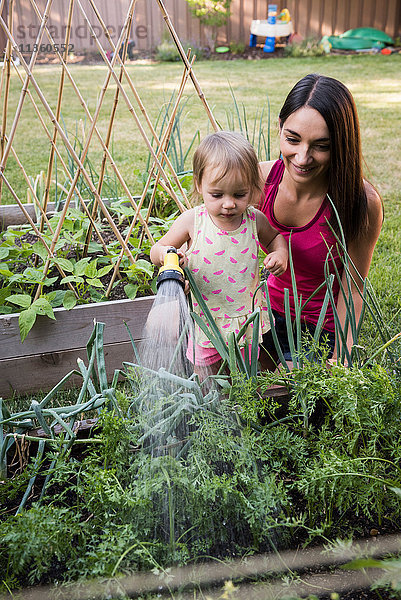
171	269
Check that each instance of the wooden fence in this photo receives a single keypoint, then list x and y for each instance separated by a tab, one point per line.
311	18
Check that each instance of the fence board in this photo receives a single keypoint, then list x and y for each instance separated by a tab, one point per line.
310	18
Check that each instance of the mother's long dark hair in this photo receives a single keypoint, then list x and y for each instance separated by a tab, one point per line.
336	105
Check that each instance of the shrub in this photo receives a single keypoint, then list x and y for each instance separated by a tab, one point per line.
167	51
308	47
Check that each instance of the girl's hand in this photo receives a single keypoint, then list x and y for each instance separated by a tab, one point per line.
276	262
182	258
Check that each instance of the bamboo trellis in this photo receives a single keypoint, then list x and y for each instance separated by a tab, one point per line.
161	171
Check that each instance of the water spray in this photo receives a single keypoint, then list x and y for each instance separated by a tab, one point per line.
171	269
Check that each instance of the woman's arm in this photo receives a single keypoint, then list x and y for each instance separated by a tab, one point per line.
360	252
181	232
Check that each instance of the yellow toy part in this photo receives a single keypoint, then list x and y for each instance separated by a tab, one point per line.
284	16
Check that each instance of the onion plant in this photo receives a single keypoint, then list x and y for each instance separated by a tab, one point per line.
94	394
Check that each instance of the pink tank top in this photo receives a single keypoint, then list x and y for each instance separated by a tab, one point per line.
309	247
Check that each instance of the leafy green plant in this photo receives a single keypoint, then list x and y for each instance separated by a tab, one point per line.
184	473
30	310
72	278
211	13
167	51
255	131
306	48
237	47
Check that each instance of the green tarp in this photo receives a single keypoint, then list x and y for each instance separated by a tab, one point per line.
361	38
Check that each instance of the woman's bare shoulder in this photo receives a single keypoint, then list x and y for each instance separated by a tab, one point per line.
375	204
265	168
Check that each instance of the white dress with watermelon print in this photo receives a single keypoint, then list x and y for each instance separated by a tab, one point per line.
225	267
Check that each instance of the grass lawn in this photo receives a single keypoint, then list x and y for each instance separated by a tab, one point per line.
375	82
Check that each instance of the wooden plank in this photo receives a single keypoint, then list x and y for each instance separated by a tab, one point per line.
326	18
303	23
341	16
41	372
13	215
354	14
72	328
314	19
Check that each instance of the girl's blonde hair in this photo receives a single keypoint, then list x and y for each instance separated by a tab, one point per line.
226	151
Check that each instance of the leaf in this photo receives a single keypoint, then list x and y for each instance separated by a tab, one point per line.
43	307
5	310
80	266
33	275
95	283
95	247
131	290
73	278
4	252
91	269
363	563
40	250
56	298
4	292
69	300
144	266
104	270
22	300
65	264
26	321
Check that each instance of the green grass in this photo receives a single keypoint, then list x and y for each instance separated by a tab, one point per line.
374	81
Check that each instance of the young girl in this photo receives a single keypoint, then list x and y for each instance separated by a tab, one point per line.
222	238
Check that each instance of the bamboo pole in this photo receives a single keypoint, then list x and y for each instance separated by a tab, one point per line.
27	80
140	104
108	137
69	147
4	66
85	208
35	198
171	191
58	109
164	141
185	60
93	119
36	230
7	72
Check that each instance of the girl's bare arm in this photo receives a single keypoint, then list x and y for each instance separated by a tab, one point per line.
180	233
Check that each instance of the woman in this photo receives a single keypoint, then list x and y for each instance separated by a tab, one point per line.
320	157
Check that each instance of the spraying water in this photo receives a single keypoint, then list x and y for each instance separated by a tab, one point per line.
166	329
164	376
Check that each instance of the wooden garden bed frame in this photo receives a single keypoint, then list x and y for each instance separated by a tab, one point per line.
51	349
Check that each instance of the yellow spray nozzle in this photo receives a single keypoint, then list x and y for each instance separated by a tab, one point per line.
171	268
